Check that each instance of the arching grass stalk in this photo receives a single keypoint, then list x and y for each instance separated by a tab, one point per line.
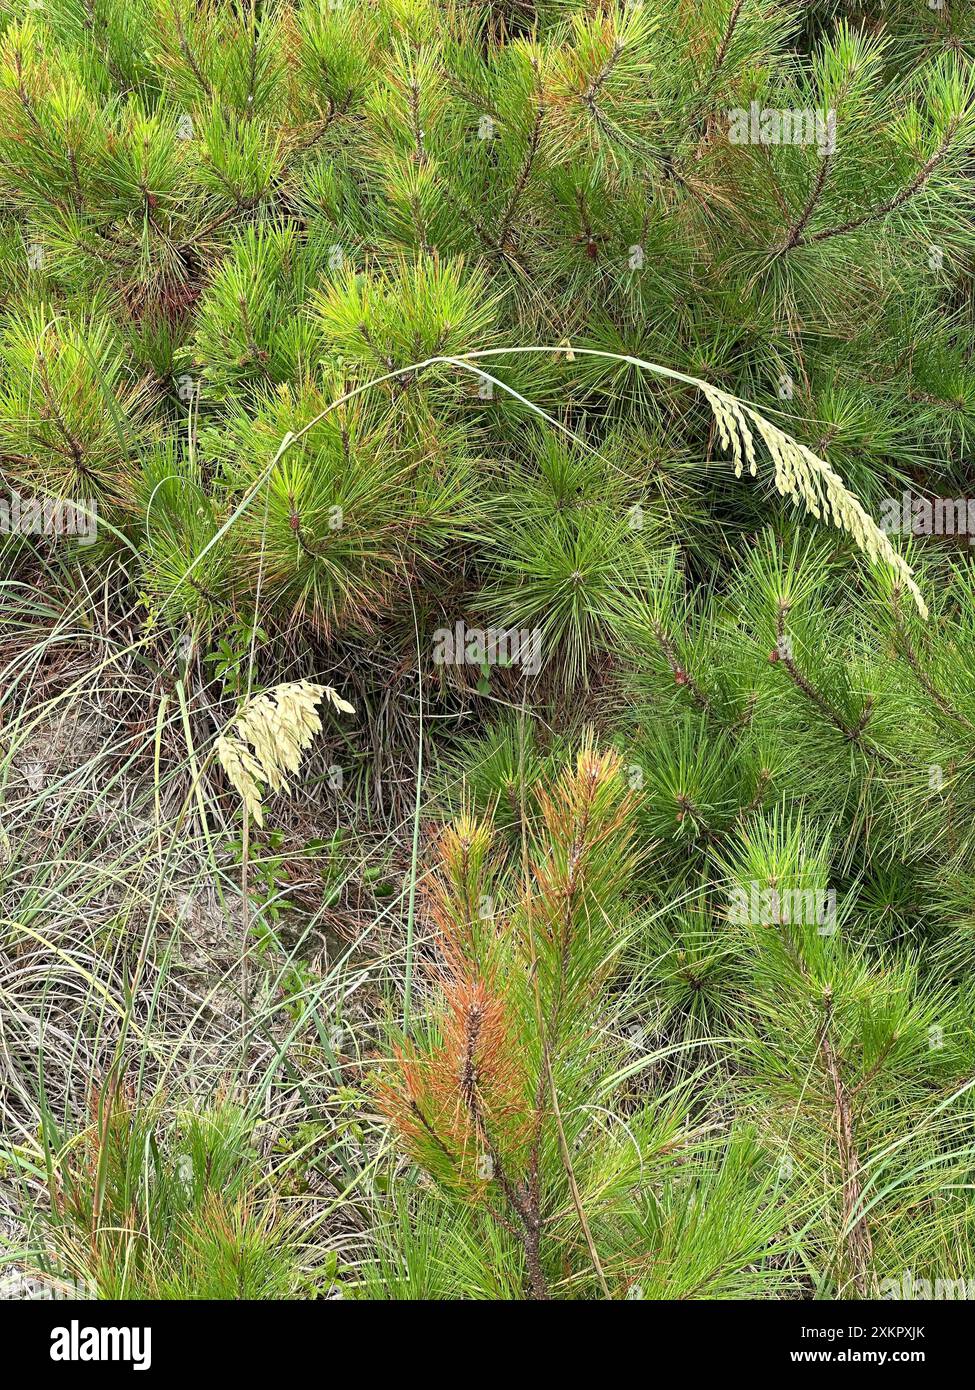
798	472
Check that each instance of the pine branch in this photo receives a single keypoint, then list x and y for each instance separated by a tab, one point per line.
524	174
681	674
727	37
856	1235
909	652
187	53
891	205
795	236
782	655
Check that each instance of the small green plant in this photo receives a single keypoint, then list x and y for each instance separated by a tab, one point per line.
146	1208
231	662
